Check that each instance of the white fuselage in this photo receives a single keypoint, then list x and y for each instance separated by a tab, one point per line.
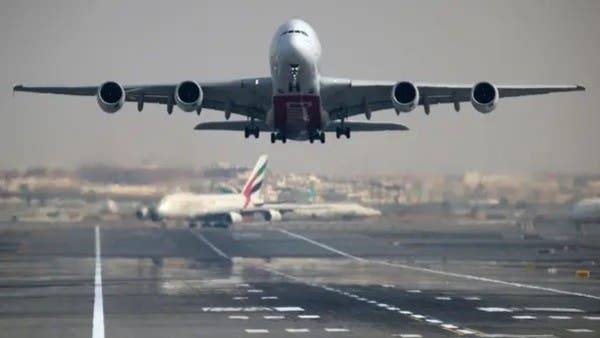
586	211
294	56
324	211
184	205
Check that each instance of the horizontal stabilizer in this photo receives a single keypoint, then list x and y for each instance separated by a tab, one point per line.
366	126
230	125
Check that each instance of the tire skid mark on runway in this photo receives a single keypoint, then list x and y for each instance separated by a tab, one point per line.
439	272
98	317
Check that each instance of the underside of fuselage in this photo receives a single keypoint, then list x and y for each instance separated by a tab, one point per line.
297	117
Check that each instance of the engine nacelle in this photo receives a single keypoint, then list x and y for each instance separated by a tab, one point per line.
405	96
484	97
142	213
188	96
111	97
234	217
273	216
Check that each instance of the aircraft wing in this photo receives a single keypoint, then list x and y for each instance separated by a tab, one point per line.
247	97
365	126
345	97
230	125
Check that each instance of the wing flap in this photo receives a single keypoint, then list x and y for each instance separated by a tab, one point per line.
366	126
230	126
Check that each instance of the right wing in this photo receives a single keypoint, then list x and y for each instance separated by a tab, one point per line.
344	97
247	97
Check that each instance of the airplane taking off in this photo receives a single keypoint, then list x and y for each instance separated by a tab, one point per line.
296	102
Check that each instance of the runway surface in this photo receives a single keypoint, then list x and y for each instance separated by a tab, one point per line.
142	281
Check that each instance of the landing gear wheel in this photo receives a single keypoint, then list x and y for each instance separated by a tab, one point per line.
322	137
347	132
246	132
283	139
273	138
338	132
256	132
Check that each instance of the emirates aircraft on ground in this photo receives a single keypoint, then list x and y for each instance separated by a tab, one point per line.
296	102
220	210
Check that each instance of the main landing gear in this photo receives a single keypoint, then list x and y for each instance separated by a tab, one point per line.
317	135
339	131
278	136
251	130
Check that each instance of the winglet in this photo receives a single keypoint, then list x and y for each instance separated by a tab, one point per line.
580	87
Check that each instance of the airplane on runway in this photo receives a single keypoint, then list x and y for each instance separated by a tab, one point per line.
218	210
586	211
296	102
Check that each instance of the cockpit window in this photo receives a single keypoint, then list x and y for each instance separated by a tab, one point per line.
294	32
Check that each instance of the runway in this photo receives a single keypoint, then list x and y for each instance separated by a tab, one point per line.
136	280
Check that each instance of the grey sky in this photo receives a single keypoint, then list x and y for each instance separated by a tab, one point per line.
520	42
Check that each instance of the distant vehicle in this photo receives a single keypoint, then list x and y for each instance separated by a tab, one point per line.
217	210
586	211
323	211
296	102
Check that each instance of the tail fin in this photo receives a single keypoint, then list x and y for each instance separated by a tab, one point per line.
255	180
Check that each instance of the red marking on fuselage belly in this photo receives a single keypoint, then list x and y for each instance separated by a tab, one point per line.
297	110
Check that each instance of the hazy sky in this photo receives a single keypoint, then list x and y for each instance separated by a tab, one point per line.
506	42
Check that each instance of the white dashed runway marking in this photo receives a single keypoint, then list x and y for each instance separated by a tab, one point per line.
336	329
473	298
239	317
274	317
302	330
289	309
443	298
591	317
407	335
268	297
560	317
525	317
240	298
553	309
309	316
256	331
254	291
580	330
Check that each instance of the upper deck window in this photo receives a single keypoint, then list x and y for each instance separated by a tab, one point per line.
294	32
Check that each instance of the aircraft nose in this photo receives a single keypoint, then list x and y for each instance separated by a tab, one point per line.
296	49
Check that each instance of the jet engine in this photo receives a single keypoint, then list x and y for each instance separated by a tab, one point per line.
142	213
273	216
188	96
111	97
234	217
484	97
405	96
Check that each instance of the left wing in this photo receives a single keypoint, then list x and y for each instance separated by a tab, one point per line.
248	97
344	97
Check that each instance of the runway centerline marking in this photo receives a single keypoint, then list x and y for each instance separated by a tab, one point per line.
98	319
212	246
438	272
